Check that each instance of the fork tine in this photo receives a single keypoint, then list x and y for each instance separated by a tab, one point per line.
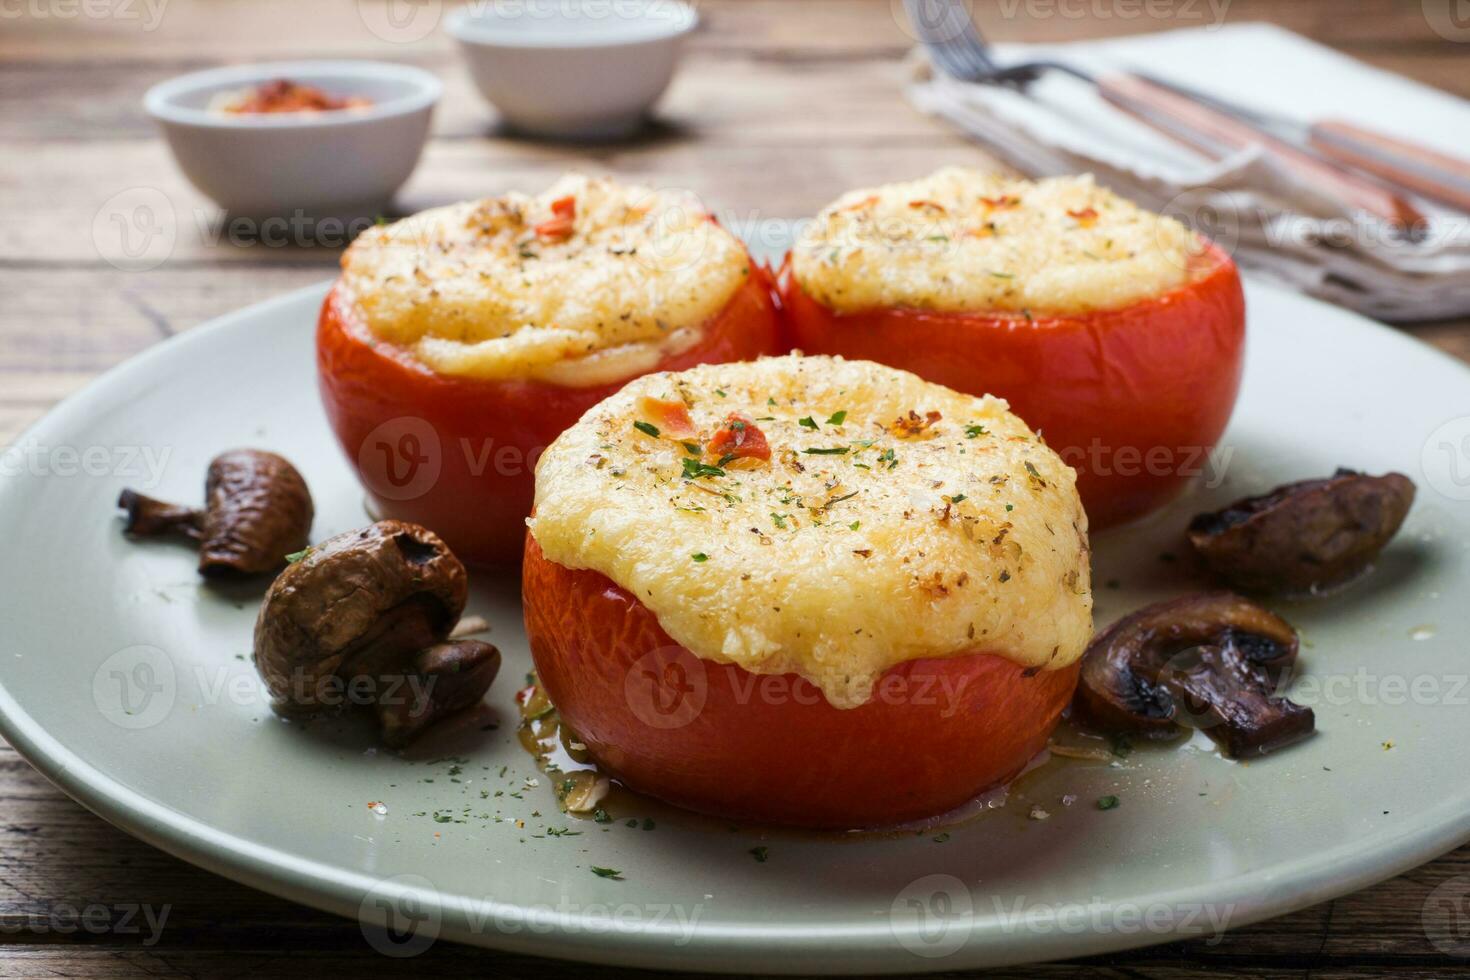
947	30
979	45
972	54
937	23
932	20
949	58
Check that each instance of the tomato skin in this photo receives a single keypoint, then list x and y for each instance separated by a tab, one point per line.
719	739
1105	389
458	454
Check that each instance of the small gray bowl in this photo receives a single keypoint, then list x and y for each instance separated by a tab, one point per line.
573	72
343	163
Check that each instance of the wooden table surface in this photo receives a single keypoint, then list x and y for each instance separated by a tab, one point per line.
779	104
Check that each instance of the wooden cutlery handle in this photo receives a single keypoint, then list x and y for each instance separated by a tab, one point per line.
1215	134
1436	175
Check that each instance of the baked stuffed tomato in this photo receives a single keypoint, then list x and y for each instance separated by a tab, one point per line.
806	591
459	342
1116	333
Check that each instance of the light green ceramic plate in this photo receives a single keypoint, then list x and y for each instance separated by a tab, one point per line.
129	685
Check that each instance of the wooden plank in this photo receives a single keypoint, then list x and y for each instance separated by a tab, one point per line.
717	97
238	30
51	850
70	222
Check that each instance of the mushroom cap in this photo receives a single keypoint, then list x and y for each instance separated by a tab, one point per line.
1303	536
361	603
1213	660
257	510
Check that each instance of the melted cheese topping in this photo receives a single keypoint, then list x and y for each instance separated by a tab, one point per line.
507	288
966	241
871	536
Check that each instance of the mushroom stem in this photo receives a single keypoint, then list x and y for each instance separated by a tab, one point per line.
147	517
448	677
1232	700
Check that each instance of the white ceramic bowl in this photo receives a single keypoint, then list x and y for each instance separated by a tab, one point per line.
344	163
572	71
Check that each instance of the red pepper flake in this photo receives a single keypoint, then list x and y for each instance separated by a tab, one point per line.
913	424
669	415
281	95
563	220
1086	217
525	694
739	437
866	202
931	205
1006	202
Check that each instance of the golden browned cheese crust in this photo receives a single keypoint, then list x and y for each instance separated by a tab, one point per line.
515	287
966	241
895	519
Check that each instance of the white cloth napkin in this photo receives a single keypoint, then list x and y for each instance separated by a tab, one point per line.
1274	224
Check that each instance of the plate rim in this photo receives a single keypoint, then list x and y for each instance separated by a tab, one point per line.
1254	896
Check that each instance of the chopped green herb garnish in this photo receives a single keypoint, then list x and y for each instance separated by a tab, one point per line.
807	423
1010	507
780	519
854	525
296	556
837	418
648	823
694	469
942	838
1107	802
700	556
833	451
760	853
971	431
612	873
692	448
601	816
720	392
647	428
956	498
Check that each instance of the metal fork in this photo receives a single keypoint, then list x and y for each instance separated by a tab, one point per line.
954	42
956	47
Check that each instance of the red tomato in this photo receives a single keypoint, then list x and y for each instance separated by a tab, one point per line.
739	438
1132	398
719	739
457	454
